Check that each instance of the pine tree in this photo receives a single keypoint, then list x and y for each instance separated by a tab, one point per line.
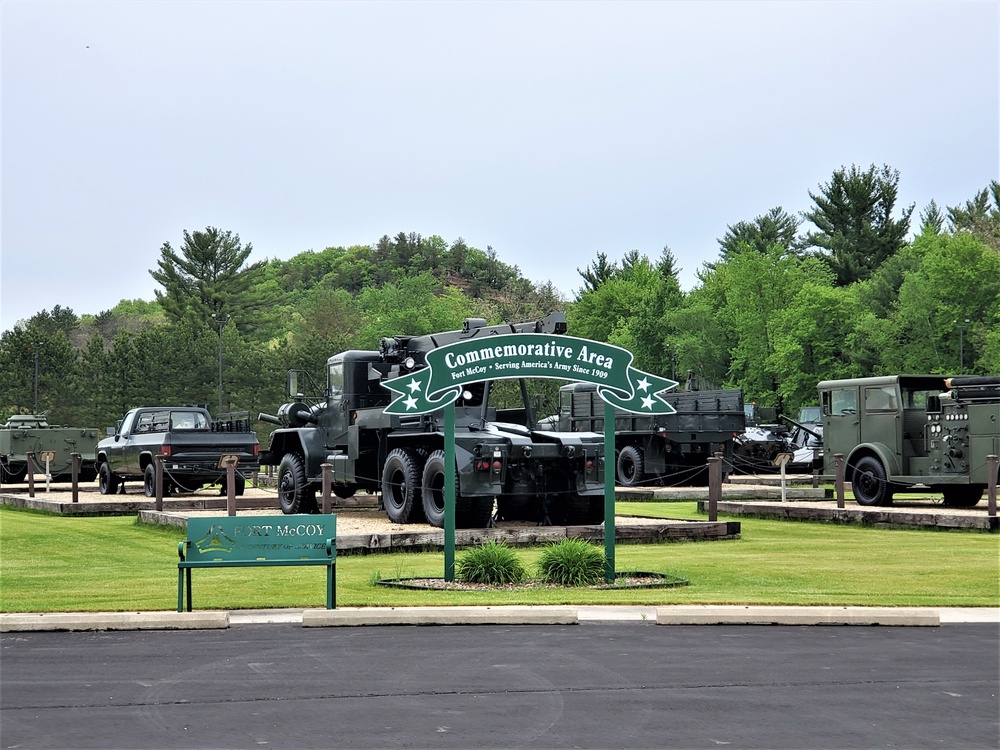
209	281
853	215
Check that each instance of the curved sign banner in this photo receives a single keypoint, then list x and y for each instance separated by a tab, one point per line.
529	355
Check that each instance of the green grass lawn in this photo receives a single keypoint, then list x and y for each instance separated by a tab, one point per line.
57	564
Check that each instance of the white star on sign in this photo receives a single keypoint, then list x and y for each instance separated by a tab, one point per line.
647	403
414	385
411	403
642	385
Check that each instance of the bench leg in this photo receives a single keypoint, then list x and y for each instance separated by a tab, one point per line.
331	586
182	574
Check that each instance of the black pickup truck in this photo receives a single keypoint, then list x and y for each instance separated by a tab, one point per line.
195	447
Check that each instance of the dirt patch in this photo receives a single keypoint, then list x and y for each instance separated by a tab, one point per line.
374	521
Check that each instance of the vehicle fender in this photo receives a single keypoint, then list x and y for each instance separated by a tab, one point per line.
881	451
306	441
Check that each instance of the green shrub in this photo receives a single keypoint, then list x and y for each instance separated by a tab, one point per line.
492	563
572	562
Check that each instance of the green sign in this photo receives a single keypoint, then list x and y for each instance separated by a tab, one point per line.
529	355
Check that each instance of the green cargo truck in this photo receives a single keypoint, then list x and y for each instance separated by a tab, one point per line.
666	449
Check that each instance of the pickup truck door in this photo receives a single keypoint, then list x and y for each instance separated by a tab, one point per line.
117	458
130	451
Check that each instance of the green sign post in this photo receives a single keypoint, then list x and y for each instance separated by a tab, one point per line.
528	355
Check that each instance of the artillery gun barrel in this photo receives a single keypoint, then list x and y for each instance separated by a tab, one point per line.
801	426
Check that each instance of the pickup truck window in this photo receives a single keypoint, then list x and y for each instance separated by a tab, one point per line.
188	420
125	425
165	420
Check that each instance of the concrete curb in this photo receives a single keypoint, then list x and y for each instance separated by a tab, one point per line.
737	615
10	623
504	615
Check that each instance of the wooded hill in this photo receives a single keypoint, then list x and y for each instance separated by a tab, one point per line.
778	311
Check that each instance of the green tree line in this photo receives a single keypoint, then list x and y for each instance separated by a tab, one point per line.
845	289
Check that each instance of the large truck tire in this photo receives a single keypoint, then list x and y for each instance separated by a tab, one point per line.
579	510
294	494
473	512
149	481
107	482
870	484
962	497
401	486
470	512
519	508
629	466
239	486
432	489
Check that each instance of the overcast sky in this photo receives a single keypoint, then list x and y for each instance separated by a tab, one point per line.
550	131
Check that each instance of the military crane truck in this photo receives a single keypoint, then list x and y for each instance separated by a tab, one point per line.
501	456
898	431
668	449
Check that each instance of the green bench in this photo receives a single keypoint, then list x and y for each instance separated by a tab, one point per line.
258	541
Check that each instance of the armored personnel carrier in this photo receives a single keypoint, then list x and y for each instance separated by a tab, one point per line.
25	433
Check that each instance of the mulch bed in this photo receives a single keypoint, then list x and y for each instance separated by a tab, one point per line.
624	580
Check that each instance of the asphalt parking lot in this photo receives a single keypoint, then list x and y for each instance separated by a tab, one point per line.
591	685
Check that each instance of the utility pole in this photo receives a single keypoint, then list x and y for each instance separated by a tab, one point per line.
38	346
961	346
220	321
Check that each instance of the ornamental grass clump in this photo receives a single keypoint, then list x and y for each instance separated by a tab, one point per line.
572	562
492	563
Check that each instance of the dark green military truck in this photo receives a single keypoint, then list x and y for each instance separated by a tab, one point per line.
501	454
903	430
666	449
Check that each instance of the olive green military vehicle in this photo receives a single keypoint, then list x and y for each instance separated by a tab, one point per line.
501	455
31	433
667	449
903	430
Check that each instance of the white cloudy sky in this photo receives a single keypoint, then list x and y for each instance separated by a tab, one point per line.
550	131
